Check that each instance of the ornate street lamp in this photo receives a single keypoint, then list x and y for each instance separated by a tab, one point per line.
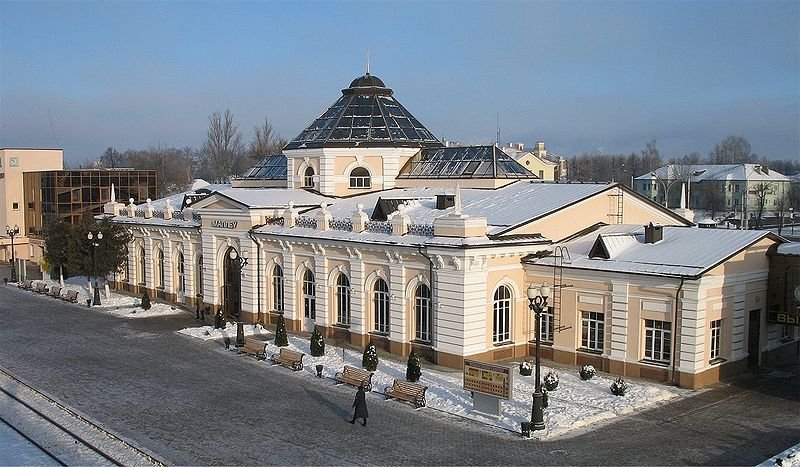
94	240
239	262
538	300
13	232
665	185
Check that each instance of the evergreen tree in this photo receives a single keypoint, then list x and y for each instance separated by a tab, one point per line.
145	301
370	359
413	369
281	339
317	343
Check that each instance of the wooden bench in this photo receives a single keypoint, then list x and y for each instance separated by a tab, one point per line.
70	296
409	392
355	377
55	291
40	287
27	285
288	358
255	347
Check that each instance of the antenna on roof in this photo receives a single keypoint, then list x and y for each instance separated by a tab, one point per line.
367	61
497	121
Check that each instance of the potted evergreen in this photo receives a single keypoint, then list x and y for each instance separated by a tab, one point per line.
551	381
413	369
281	339
317	343
587	372
525	368
145	301
370	359
618	387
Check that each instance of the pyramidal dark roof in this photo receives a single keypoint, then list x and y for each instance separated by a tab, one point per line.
367	115
464	162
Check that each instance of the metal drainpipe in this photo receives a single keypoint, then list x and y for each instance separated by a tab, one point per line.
675	334
258	271
430	275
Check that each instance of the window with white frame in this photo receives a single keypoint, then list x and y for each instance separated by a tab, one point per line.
199	275
592	330
716	333
547	324
380	304
422	313
160	268
501	322
343	300
359	178
308	177
309	295
142	272
277	288
657	340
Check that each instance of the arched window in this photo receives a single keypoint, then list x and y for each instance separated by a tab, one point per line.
181	274
142	272
309	295
380	300
160	268
501	328
422	312
343	300
277	288
359	178
308	178
199	276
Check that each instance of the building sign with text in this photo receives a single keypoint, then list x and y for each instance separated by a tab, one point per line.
488	378
224	224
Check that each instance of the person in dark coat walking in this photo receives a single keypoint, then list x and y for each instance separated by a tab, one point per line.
360	405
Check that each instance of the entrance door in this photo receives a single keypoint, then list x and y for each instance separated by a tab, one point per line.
232	288
753	338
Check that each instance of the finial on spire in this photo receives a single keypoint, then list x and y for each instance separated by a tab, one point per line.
368	62
113	194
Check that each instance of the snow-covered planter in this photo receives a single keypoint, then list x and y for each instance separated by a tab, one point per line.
525	368
551	381
317	344
587	372
370	358
618	387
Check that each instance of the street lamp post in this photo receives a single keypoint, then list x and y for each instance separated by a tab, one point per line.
791	220
13	232
94	240
538	300
239	261
665	186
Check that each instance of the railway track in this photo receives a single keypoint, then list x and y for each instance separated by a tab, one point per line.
61	433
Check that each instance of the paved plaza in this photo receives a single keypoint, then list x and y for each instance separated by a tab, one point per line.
192	402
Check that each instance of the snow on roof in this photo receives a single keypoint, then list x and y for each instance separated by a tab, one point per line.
790	249
700	172
683	251
274	197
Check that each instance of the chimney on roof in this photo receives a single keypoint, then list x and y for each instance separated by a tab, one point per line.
539	150
653	233
765	169
521	146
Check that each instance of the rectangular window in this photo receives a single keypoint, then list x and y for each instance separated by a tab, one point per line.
546	325
592	330
716	331
15	206
277	293
541	174
657	340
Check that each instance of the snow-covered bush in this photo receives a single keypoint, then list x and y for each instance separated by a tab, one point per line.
370	359
413	369
525	368
587	372
145	301
281	339
551	381
317	343
618	387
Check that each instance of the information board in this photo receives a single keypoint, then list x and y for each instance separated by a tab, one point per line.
488	378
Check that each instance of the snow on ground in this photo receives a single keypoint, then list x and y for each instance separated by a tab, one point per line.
788	458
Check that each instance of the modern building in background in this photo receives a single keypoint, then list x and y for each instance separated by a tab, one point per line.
545	165
369	229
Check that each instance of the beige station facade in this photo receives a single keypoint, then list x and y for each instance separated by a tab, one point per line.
367	228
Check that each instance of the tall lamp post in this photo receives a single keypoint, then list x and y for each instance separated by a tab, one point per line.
791	219
239	262
94	240
665	185
13	232
538	300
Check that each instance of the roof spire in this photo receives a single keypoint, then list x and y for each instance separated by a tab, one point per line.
113	194
457	201
368	62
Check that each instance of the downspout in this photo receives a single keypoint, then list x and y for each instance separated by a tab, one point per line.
258	273
433	294
675	334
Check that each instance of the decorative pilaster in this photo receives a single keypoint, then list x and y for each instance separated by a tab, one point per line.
619	320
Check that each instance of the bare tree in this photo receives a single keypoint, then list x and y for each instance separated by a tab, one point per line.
175	167
712	197
265	142
112	158
782	206
760	191
651	158
732	150
223	150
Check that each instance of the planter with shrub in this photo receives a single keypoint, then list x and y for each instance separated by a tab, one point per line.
587	372
525	368
551	381
618	387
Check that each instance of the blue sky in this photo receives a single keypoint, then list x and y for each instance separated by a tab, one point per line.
577	75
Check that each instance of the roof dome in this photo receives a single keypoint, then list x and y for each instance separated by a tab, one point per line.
367	115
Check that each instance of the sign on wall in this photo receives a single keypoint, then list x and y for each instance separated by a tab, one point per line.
488	378
224	224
